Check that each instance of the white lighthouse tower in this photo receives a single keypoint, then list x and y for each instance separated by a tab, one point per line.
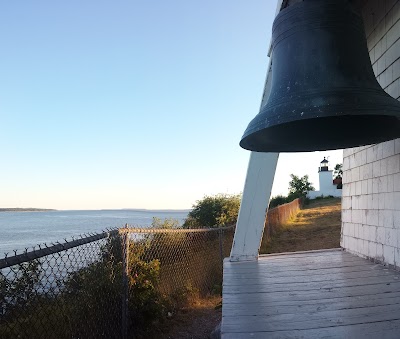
326	185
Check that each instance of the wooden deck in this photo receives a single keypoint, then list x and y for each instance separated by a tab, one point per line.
320	294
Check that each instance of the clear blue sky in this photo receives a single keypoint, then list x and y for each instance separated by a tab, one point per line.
131	104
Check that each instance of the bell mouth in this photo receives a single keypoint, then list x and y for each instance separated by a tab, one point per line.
322	133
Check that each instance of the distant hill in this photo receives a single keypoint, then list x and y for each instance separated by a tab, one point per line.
17	209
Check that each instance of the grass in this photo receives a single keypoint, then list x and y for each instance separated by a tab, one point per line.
316	226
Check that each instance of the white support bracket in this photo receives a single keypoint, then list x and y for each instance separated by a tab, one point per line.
254	206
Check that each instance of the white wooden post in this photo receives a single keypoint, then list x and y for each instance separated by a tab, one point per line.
256	194
254	205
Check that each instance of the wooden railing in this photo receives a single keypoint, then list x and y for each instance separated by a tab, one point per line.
279	215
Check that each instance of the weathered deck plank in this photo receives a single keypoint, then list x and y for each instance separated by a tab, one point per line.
310	295
387	329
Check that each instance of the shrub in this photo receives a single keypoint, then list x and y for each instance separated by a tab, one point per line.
278	200
21	291
214	211
145	302
167	223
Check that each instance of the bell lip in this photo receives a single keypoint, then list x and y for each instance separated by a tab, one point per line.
296	136
371	106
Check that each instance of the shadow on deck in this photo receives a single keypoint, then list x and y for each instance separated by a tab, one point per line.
316	294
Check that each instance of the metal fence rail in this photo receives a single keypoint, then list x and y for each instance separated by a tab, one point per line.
109	285
69	290
55	248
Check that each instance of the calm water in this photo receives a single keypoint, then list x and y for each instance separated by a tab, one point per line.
19	230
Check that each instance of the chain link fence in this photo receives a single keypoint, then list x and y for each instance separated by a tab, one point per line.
115	284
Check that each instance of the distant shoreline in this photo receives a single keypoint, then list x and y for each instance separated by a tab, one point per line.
29	209
154	210
18	209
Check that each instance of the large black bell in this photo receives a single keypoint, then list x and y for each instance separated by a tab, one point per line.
324	94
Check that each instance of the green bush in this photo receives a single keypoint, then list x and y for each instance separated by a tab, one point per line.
278	200
146	304
298	188
167	223
21	290
88	302
214	211
166	271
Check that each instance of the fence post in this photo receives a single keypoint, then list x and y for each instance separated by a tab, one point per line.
125	287
221	246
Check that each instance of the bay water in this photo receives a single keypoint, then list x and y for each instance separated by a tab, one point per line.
20	230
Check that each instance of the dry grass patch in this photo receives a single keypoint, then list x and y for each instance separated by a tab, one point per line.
196	321
315	227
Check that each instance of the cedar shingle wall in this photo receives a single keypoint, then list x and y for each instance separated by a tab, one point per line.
371	174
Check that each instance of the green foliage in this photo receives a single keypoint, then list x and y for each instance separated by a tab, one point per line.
146	304
104	279
322	197
93	293
299	187
21	290
338	171
214	211
278	200
183	295
167	223
88	302
166	271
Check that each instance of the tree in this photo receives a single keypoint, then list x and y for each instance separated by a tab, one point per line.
338	171
214	211
299	186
